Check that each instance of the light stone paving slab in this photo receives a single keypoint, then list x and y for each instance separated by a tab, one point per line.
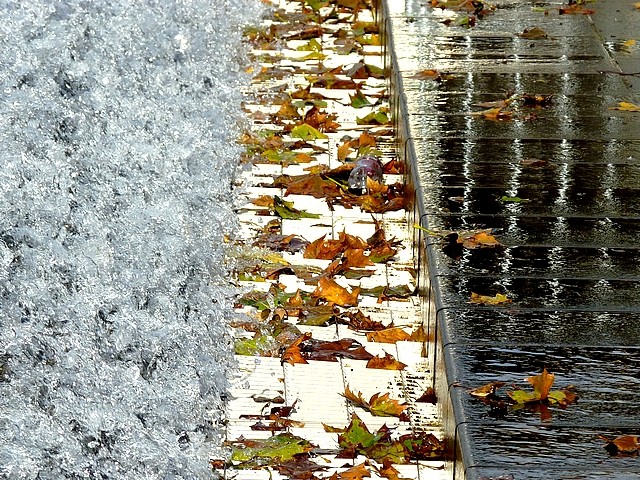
316	388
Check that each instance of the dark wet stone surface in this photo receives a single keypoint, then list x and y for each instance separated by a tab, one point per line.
559	186
544	326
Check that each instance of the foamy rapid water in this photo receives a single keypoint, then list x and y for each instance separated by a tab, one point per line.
117	159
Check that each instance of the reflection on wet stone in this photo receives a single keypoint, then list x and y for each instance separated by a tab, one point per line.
558	185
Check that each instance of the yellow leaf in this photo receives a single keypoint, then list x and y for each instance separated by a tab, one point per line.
626	107
332	292
487	300
636	5
629	43
388	335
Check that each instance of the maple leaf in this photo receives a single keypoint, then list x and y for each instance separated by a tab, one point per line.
274	450
292	354
498	299
344	150
285	210
357	472
307	132
358	100
542	391
327	351
624	444
385	363
428	74
379	405
534	33
389	335
329	290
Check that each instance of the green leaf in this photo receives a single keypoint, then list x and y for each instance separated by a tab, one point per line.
359	100
307	132
374	118
314	56
357	434
522	396
393	452
255	346
316	5
285	210
507	199
277	449
311	46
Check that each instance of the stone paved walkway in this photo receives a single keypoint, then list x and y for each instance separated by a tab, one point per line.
552	171
274	240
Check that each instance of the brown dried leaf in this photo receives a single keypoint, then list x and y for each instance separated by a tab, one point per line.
385	363
292	354
389	335
498	299
329	290
344	150
486	390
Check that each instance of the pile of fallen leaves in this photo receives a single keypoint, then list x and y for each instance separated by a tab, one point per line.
295	132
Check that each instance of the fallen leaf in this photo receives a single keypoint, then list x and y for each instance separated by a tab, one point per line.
299	468
357	472
385	363
379	405
292	354
498	299
327	351
429	396
276	449
534	33
496	113
626	107
624	444
330	291
389	335
428	74
542	391
486	390
358	100
285	210
477	239
575	9
307	132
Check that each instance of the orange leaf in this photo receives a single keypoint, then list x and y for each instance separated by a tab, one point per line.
332	292
357	472
626	107
292	354
542	383
344	150
366	140
355	258
385	363
496	113
623	444
428	74
479	239
389	335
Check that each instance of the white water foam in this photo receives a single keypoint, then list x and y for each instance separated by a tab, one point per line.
117	158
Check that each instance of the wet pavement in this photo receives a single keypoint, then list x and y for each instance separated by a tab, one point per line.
557	184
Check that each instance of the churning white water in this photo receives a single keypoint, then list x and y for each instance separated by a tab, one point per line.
117	156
